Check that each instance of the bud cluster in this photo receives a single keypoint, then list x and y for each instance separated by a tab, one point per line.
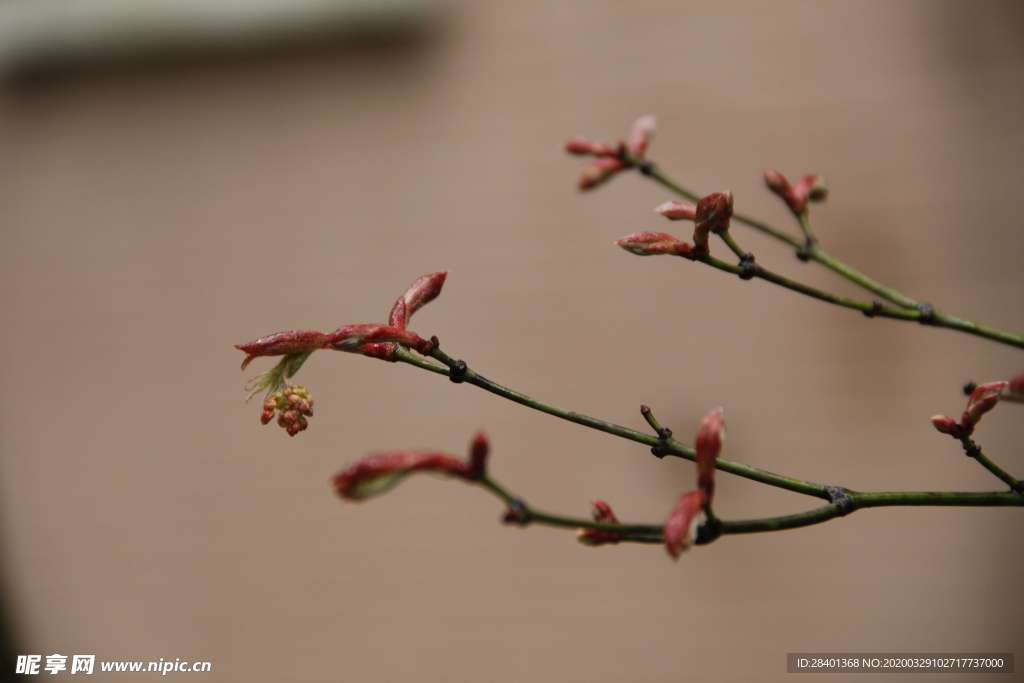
612	159
679	527
293	406
711	214
810	188
983	399
601	512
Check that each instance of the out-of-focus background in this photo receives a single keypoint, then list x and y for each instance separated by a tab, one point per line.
174	181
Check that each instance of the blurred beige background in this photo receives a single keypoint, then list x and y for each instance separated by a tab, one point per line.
157	211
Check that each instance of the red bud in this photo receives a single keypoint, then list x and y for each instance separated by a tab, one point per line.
947	425
478	450
602	512
677	531
375	473
1015	390
712	215
598	171
641	135
653	243
677	211
809	188
282	343
709	445
582	146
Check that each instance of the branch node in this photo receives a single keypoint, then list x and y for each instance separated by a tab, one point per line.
747	264
969	388
804	252
645	167
664	433
876	307
1018	487
839	497
657	452
708	532
517	513
971	449
434	342
457	372
926	313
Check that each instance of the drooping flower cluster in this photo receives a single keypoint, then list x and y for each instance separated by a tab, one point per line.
983	399
293	406
377	472
711	214
375	340
678	529
612	159
810	188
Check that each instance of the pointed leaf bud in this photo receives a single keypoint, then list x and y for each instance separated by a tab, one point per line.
478	450
602	512
712	215
599	171
947	425
585	147
376	473
281	344
653	243
678	211
678	529
983	399
422	292
641	135
709	445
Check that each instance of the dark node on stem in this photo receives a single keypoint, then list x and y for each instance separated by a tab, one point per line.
804	252
708	532
926	313
969	388
517	513
457	372
434	342
657	452
971	449
664	433
876	307
1018	487
838	496
645	167
747	264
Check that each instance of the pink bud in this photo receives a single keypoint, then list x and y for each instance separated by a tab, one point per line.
983	399
282	343
377	472
478	450
399	315
947	425
582	146
641	135
653	243
678	211
709	445
602	512
777	183
598	171
677	531
712	215
353	337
